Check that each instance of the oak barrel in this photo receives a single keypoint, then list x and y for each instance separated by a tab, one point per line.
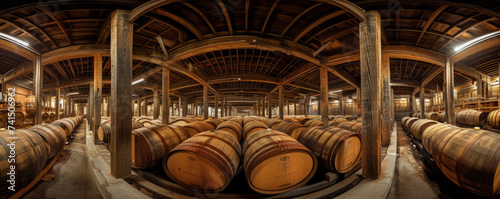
152	143
237	119
104	130
207	161
54	140
292	129
271	122
337	121
442	117
469	158
354	127
183	121
290	119
247	120
3	119
303	119
20	117
231	127
471	117
215	122
252	127
31	156
65	124
409	123
493	119
403	122
194	128
337	149
142	119
52	117
434	134
432	116
311	123
275	162
419	127
45	117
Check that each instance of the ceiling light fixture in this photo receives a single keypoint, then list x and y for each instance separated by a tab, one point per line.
138	81
16	40
476	41
74	93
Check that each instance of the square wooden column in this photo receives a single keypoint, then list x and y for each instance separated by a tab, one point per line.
90	109
37	88
156	104
422	103
216	105
280	102
165	98
264	107
258	107
108	105
323	74
184	107
58	105
269	105
179	107
306	105
479	89
371	86
121	94
72	108
358	102
196	108
386	102
65	105
449	91
295	108
222	107
97	94
205	101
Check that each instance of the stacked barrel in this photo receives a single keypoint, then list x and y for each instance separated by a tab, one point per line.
33	148
472	118
468	157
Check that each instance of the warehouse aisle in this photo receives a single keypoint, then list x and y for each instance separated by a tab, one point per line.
72	176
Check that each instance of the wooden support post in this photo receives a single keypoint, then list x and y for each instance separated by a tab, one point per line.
97	94
184	107
371	86
196	108
269	106
205	101
165	98
449	91
156	104
264	107
280	102
65	105
230	109
38	87
179	107
306	105
58	105
108	105
258	107
479	85
358	102
295	108
72	108
121	93
222	107
422	103
385	102
392	107
90	109
323	74
216	105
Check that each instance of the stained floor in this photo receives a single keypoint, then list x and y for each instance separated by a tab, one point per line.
73	179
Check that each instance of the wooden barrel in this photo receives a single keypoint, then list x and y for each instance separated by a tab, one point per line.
354	127
52	117
336	122
275	162
493	119
292	129
303	120
442	117
142	119
311	123
232	127
434	134
183	121
409	123
147	122
472	118
237	119
432	116
215	122
156	121
104	131
65	124
403	122
31	156
419	127
290	119
3	119
194	128
337	149
54	140
270	123
470	158
20	117
151	144
45	117
247	120
206	162
252	127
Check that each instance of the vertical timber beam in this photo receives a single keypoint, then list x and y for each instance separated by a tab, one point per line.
184	107
165	98
385	102
97	95
121	93
258	107
264	107
358	102
448	91
371	86
422	103
196	108
222	107
479	84
90	109
324	94
58	105
295	108
37	87
216	105
306	105
156	104
269	105
280	102
205	101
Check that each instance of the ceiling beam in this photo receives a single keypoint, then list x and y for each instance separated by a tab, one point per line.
181	21
200	13
54	18
25	32
317	23
146	7
344	76
429	22
269	15
298	17
18	50
226	16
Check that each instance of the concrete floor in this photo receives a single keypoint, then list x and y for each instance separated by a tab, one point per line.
73	179
410	180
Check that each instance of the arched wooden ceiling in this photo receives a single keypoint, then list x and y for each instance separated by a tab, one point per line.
320	26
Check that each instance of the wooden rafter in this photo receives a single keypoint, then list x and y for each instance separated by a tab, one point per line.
36	27
24	31
317	23
181	21
457	34
269	15
142	26
429	22
327	28
226	16
247	8
200	13
53	17
298	17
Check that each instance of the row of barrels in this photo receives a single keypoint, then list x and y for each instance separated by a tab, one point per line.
32	148
19	116
468	117
468	157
